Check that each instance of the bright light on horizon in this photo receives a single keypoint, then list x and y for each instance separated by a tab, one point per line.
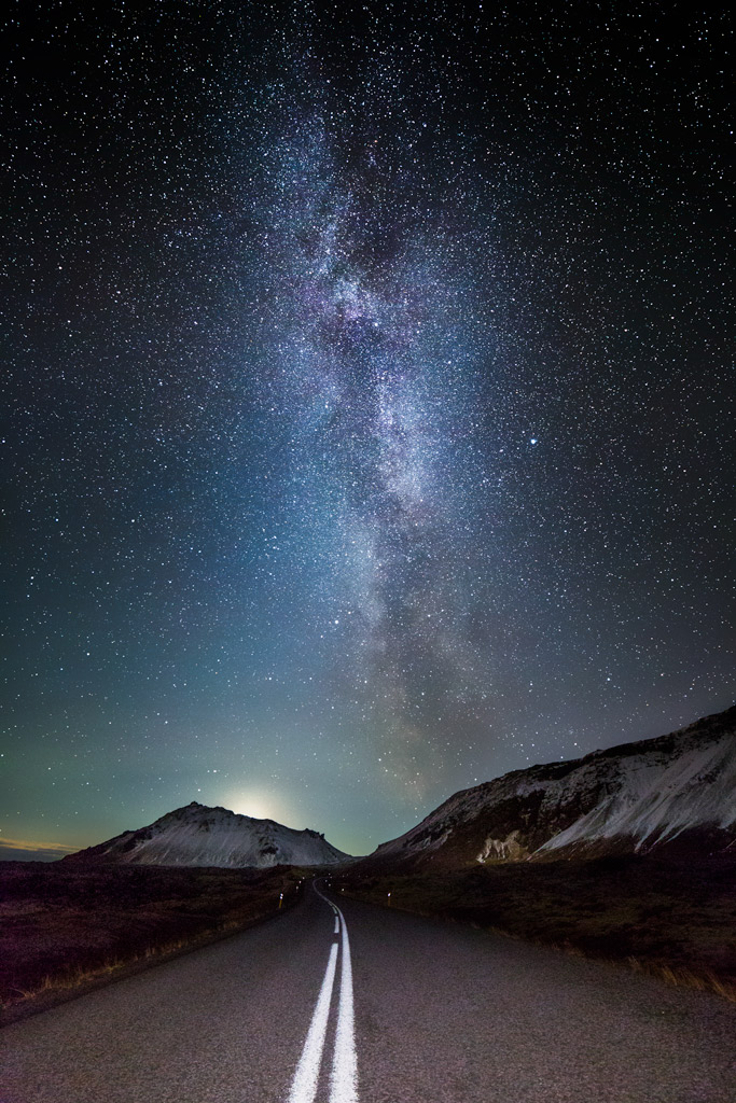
259	804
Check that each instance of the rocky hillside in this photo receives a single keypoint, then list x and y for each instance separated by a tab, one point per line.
201	836
675	789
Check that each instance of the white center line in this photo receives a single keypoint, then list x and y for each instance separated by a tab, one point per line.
344	1082
304	1085
344	1077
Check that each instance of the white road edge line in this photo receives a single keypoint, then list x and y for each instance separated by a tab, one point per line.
304	1084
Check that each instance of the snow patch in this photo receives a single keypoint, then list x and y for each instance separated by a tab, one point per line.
509	849
659	799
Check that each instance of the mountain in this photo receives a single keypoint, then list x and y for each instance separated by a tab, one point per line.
201	836
632	798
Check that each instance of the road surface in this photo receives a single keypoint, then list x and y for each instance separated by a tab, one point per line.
348	1003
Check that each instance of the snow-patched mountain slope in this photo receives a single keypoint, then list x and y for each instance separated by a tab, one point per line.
629	798
201	836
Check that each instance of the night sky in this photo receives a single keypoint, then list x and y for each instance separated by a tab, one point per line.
369	404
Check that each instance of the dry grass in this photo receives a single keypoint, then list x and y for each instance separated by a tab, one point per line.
703	981
67	927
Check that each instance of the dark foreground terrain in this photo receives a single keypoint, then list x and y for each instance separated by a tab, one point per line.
63	925
430	1012
671	915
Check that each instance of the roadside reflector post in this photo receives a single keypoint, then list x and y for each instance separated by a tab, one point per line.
281	899
389	899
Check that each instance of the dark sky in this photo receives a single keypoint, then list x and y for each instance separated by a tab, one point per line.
369	415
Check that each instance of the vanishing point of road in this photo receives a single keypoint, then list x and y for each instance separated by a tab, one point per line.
337	1001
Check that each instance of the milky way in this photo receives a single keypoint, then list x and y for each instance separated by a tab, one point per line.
370	409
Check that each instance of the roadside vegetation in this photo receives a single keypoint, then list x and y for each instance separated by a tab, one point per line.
671	917
65	928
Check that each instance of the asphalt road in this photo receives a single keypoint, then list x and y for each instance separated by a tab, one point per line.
428	1013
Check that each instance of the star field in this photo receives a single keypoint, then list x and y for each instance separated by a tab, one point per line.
369	403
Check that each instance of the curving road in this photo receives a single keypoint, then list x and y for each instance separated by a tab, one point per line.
356	1004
